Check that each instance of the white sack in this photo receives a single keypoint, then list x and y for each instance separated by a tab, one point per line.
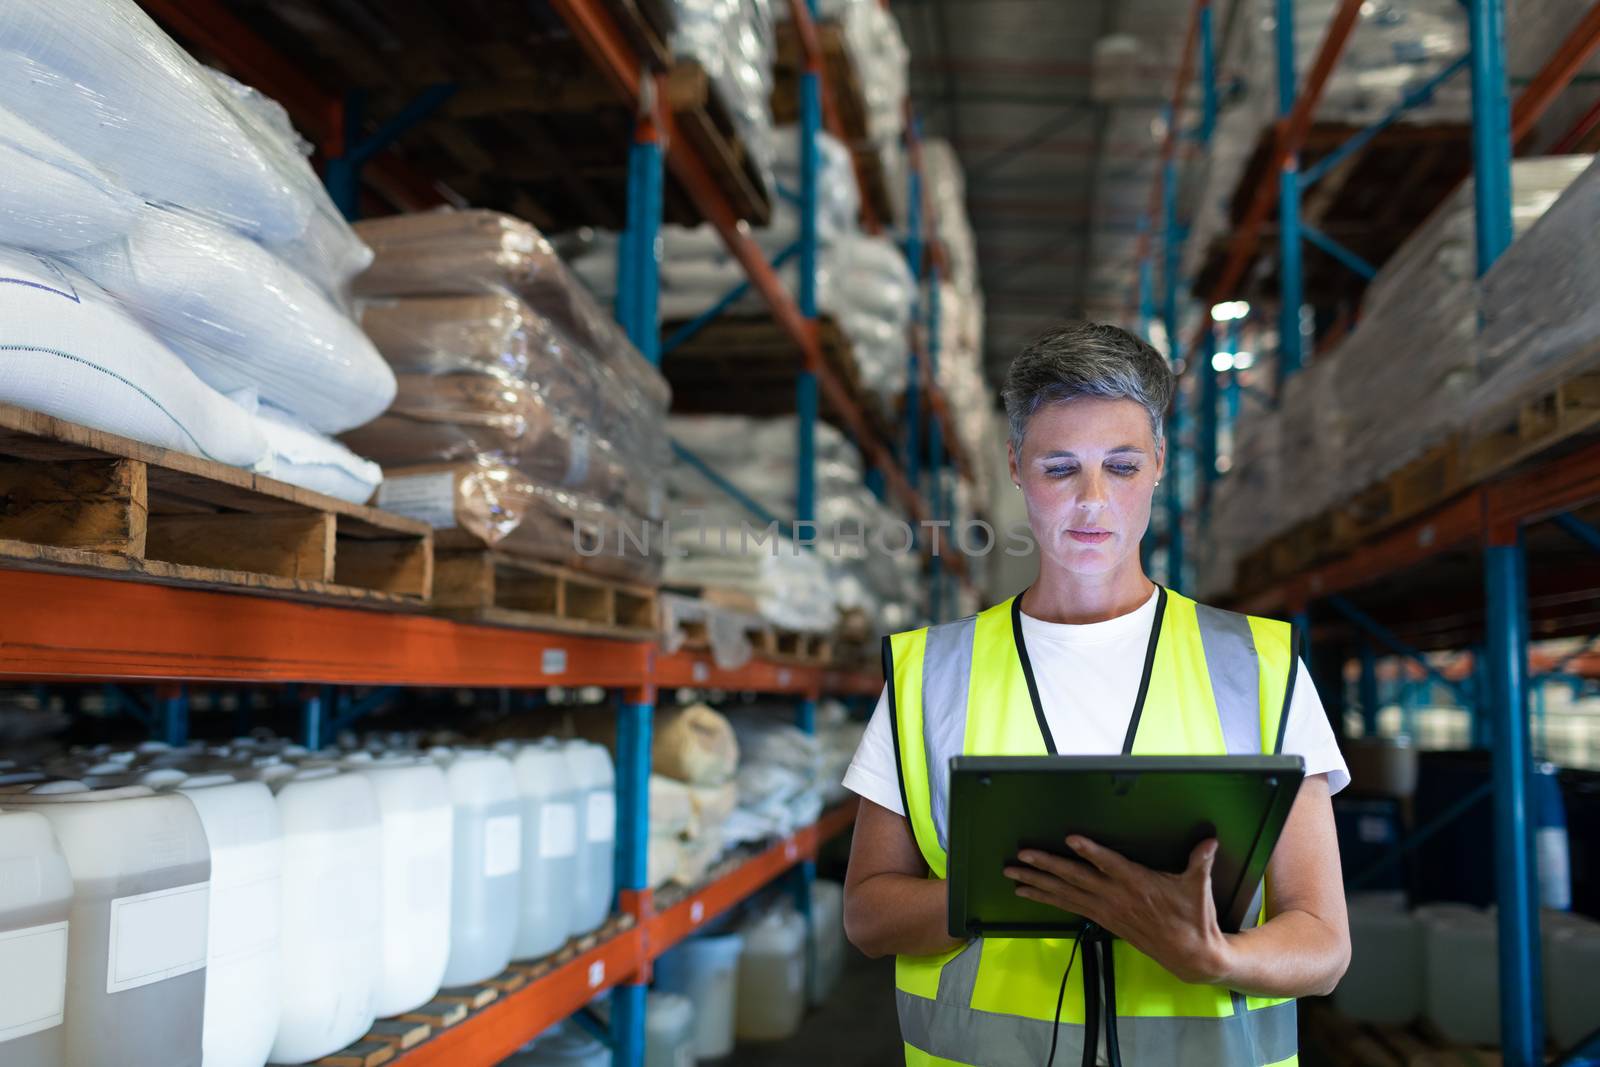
51	198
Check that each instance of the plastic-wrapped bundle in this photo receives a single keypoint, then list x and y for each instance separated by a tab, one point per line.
243	319
1423	303
51	198
947	192
328	251
73	352
732	40
489	375
465	253
1541	305
788	584
882	64
1313	439
1395	47
760	456
101	78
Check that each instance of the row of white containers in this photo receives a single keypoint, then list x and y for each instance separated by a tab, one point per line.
1441	962
270	911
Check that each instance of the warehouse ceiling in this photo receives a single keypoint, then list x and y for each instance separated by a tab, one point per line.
1056	182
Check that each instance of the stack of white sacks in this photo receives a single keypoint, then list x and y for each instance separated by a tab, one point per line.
881	60
863	282
961	322
257	902
786	776
1358	413
694	757
860	570
170	266
732	41
1396	47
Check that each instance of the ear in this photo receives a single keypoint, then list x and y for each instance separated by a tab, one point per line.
1161	458
1011	463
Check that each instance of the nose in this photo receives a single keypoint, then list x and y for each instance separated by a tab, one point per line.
1095	493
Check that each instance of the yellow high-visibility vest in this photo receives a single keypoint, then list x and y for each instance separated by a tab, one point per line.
1214	683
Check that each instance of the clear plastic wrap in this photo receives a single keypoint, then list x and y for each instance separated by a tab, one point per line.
241	318
465	253
489	375
1540	304
102	79
52	199
882	63
733	42
480	503
73	352
301	456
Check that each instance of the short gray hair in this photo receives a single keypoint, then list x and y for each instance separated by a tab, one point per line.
1086	359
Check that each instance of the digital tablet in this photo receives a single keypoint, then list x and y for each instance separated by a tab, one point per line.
1151	809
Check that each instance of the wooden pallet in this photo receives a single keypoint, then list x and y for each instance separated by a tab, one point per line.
81	500
1541	423
793	646
504	590
1328	1037
770	642
534	127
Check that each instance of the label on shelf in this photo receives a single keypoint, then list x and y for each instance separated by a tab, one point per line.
784	675
700	671
553	661
156	936
791	851
428	497
502	845
602	822
33	979
558	831
597	974
697	911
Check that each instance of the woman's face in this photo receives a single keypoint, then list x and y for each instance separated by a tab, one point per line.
1087	470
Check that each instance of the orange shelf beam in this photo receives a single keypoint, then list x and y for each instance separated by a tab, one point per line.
490	1035
698	670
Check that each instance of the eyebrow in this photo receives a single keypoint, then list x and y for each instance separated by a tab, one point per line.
1119	450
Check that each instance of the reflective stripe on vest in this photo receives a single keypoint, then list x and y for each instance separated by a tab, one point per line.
1216	682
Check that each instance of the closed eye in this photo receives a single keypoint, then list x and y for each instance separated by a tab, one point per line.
1123	470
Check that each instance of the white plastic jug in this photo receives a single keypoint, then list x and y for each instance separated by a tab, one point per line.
706	969
1462	994
668	1030
1571	962
332	900
244	962
564	1045
549	849
417	817
590	766
486	865
35	899
827	938
772	976
136	963
1385	979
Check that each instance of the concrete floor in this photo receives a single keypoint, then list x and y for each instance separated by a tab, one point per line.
855	1028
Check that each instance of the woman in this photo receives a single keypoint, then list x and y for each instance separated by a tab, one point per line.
1094	658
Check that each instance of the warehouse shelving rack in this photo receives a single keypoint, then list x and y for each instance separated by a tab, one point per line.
1482	530
71	628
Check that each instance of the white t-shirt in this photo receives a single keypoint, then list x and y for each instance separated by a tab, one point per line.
1088	677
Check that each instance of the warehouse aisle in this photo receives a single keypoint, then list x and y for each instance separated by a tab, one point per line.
856	1028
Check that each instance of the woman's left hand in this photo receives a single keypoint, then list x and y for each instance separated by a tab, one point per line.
1169	917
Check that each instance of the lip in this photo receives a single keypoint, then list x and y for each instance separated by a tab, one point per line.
1090	537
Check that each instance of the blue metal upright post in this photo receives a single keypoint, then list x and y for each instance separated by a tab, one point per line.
1208	74
1516	880
639	254
1369	689
914	259
1491	131
174	709
1172	247
635	713
806	395
1291	287
1207	444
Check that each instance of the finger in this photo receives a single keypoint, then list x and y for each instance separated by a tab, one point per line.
1110	863
1075	903
1075	872
1038	879
1202	858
